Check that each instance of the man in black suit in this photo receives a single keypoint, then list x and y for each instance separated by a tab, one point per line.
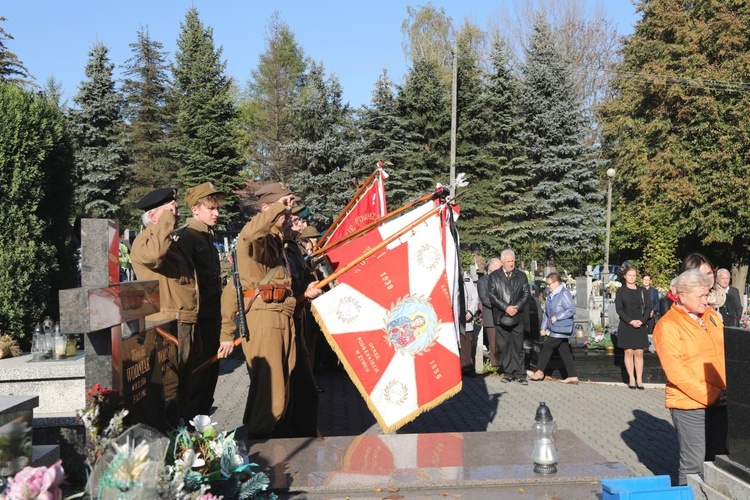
731	311
509	295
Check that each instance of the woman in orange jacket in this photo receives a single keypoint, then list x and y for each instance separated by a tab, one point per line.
689	340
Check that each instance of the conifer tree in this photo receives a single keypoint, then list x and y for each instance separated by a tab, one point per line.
97	128
206	148
266	120
483	113
676	134
563	194
12	69
36	168
145	90
383	134
322	150
506	179
423	107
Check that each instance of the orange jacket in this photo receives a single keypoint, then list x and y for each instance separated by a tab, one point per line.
692	358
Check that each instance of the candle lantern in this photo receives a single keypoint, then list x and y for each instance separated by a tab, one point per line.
59	341
545	453
38	344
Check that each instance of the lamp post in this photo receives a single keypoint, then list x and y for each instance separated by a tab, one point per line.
605	271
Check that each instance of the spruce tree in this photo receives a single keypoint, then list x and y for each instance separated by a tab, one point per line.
145	90
563	196
322	149
12	69
206	148
485	114
97	128
383	134
423	107
266	120
36	168
676	134
506	179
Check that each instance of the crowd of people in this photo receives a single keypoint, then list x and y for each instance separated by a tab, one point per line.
686	326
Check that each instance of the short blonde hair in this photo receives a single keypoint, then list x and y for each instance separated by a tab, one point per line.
689	280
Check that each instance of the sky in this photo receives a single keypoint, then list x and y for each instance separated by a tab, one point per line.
354	39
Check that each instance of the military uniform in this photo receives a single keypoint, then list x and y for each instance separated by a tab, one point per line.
197	242
156	256
271	353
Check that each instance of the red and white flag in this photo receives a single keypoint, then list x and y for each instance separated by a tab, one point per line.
390	321
367	208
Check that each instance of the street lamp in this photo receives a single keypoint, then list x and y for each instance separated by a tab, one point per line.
605	271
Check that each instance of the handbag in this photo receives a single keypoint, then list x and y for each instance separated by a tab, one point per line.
562	326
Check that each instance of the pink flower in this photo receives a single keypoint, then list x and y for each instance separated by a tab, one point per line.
41	483
208	496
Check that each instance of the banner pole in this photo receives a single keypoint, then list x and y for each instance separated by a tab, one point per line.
372	224
378	247
349	205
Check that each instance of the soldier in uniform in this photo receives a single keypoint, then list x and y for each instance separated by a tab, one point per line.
271	352
196	239
157	256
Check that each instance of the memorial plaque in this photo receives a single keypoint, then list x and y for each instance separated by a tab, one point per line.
145	371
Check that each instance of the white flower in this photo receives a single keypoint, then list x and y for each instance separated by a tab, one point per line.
190	460
202	423
134	460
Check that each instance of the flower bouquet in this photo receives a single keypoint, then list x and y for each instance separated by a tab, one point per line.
613	285
601	340
205	459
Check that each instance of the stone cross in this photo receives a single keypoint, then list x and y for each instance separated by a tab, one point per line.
121	351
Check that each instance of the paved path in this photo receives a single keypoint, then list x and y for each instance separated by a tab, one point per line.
628	426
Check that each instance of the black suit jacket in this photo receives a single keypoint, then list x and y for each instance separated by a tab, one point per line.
731	311
506	292
483	284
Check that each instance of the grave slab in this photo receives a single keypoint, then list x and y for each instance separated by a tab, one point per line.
354	465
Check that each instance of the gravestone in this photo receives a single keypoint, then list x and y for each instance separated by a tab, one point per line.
121	351
736	349
583	299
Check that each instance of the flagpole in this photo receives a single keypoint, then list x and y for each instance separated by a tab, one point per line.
365	228
354	199
378	247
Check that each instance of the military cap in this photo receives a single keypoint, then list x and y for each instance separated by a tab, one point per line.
195	193
301	211
157	198
310	232
271	193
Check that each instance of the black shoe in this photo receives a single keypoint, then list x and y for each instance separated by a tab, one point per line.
522	381
506	380
631	387
640	387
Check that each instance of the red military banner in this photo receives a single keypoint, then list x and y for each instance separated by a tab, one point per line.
367	207
390	321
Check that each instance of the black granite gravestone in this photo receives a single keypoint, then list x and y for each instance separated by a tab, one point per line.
737	355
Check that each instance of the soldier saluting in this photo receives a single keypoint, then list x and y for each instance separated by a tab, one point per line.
267	281
157	256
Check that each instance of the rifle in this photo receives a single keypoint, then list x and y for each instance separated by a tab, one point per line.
241	319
